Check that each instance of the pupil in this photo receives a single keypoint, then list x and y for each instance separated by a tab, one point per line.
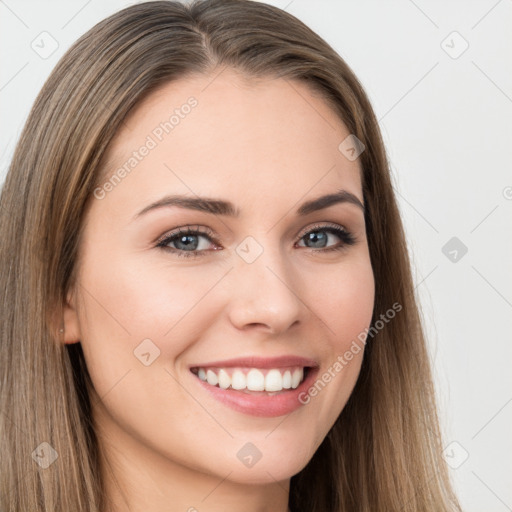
189	241
318	238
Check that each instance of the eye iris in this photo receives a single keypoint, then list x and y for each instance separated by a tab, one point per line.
318	238
188	241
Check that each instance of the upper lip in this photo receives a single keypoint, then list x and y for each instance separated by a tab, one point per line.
260	362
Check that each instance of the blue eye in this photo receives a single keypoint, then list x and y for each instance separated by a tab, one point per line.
190	242
319	237
186	241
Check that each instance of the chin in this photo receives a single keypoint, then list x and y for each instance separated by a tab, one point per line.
265	461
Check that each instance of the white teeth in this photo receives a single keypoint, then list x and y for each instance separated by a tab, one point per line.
274	381
287	379
296	378
254	380
238	380
211	378
224	379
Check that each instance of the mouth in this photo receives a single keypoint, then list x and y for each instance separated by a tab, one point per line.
258	386
253	380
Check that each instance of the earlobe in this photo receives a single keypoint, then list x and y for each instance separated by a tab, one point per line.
70	329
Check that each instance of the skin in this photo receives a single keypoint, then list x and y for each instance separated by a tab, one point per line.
267	146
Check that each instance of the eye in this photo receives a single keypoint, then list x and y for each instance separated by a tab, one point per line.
319	237
187	241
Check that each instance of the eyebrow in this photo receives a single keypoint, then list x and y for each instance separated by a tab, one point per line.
221	207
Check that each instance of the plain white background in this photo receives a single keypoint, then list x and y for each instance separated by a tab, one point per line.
439	77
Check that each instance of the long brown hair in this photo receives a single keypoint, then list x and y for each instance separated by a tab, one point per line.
384	453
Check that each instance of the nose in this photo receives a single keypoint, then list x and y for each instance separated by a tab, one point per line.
263	294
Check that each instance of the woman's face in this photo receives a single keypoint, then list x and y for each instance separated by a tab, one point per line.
269	284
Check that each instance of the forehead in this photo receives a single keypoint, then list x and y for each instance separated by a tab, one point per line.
212	133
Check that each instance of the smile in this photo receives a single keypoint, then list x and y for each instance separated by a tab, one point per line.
257	386
252	379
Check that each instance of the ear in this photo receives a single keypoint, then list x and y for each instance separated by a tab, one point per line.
71	323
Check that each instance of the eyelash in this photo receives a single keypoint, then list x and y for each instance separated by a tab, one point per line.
347	239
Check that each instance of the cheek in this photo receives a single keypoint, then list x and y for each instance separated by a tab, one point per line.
345	300
345	305
126	303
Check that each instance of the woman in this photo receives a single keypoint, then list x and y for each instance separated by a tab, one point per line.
208	303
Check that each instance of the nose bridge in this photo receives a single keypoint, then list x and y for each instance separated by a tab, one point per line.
263	291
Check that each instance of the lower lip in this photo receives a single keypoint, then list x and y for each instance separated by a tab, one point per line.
262	405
